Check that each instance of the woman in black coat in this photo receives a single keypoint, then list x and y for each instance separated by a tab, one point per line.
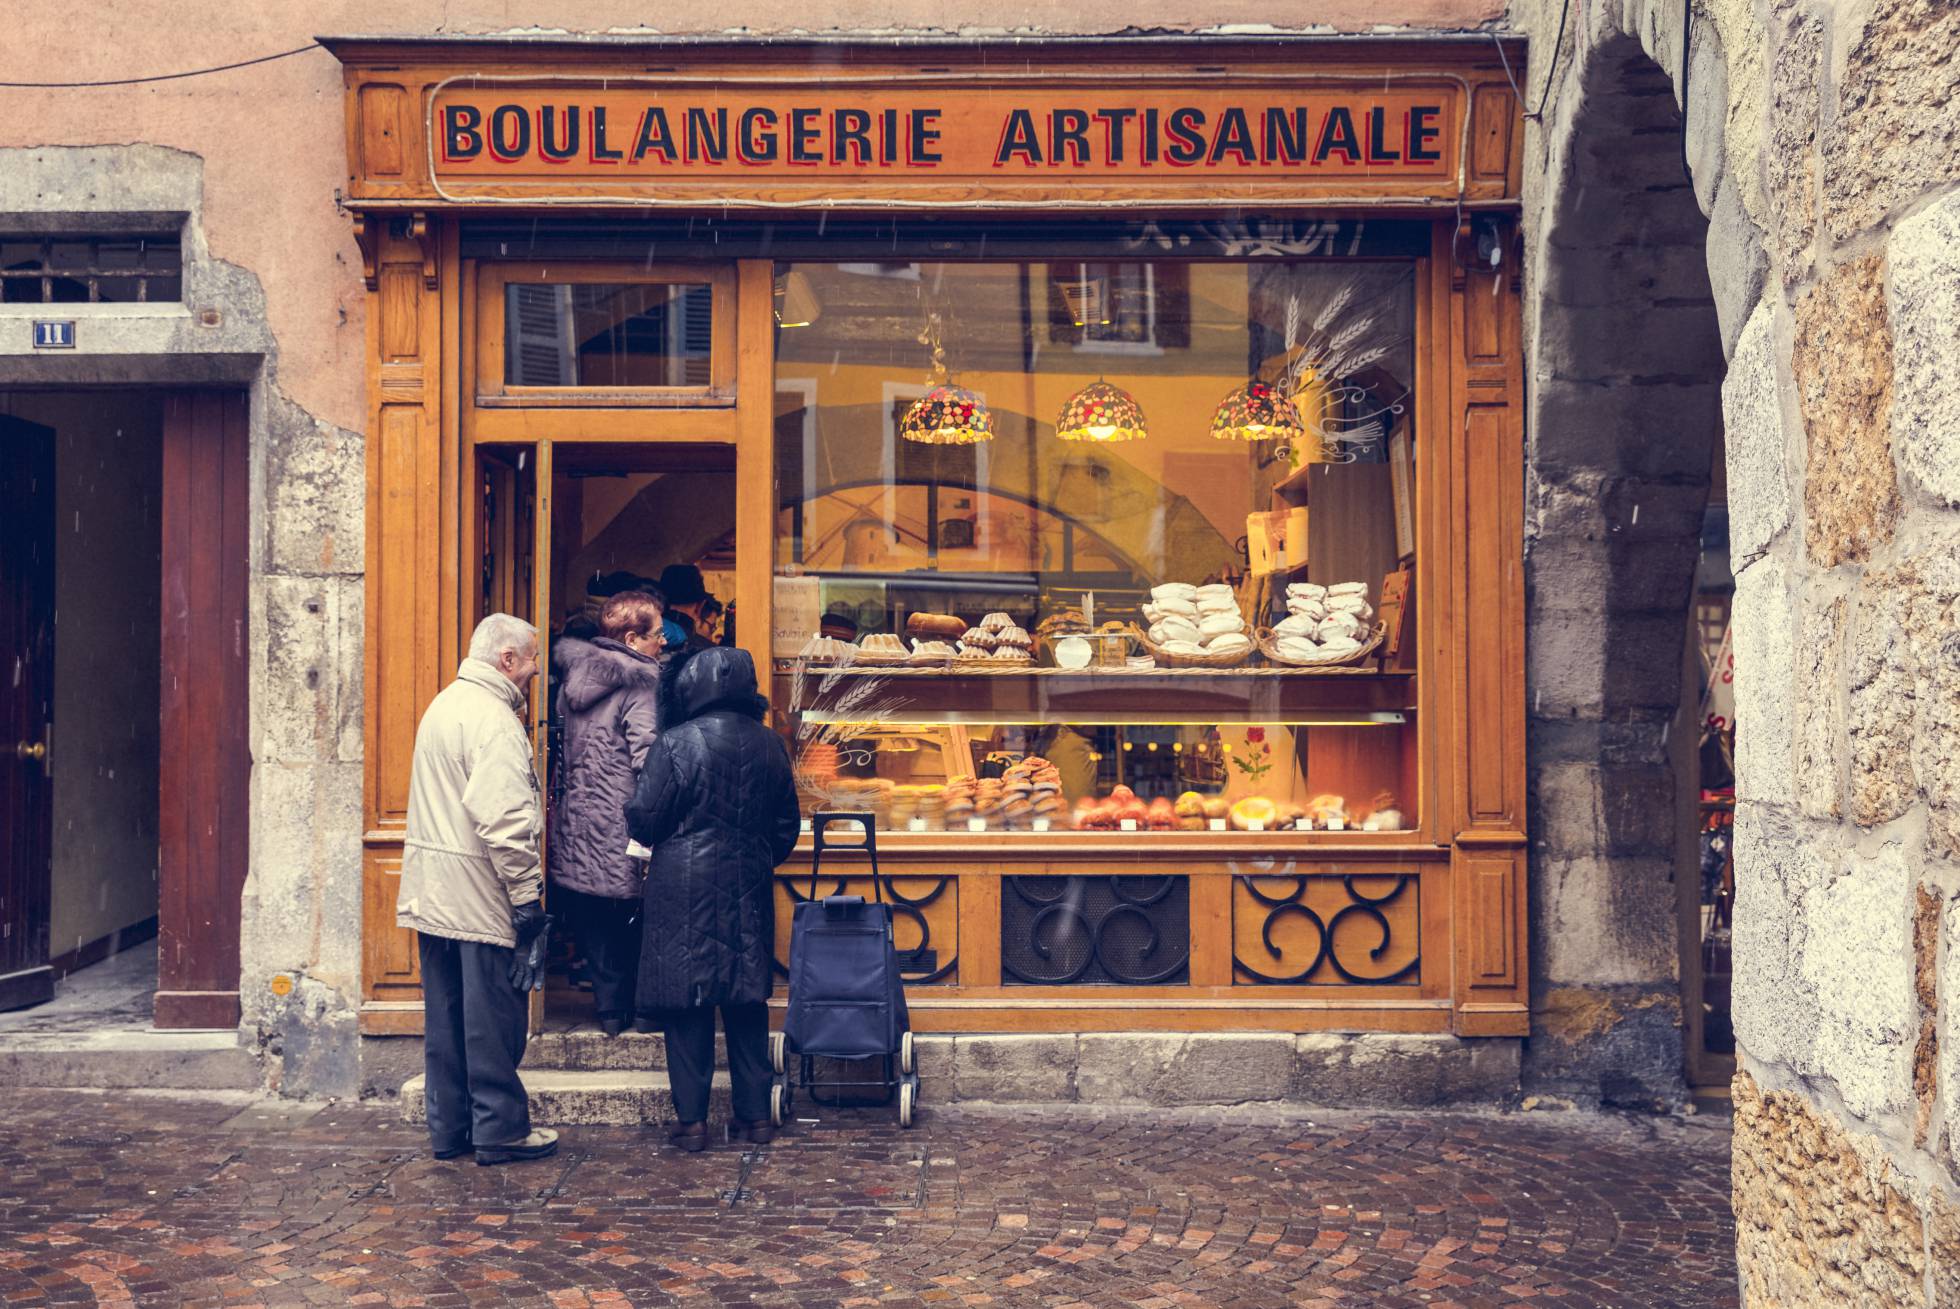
716	803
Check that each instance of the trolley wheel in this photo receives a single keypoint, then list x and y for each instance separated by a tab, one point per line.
908	1100
906	1063
779	1102
778	1053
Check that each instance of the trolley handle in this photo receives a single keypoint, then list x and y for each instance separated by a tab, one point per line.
867	832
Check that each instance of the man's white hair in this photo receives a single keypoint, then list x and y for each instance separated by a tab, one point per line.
501	632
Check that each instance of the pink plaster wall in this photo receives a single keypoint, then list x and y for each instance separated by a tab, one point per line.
272	137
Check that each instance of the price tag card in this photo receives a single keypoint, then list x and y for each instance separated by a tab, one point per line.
1041	824
1256	825
1303	824
976	824
1128	824
1215	824
1336	825
915	824
806	825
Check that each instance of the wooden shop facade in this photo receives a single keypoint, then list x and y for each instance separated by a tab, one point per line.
1110	452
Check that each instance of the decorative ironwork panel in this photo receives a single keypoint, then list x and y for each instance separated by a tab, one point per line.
1334	929
925	920
1088	931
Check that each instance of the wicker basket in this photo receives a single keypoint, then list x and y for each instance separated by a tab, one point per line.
1269	646
1230	659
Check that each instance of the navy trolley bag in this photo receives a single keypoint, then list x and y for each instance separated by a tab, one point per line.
846	997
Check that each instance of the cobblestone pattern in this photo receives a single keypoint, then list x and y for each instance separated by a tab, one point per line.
153	1200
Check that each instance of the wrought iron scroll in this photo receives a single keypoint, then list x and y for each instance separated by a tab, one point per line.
1124	931
914	964
1368	909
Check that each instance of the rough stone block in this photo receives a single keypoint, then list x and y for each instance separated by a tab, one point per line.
1758	446
1924	256
1608	344
1820	706
1858	957
1891	136
1737	263
1763	631
1587	809
572	1099
1183	1068
1387	1070
1014	1068
119	1058
1611	429
1842	364
1605	921
1791	159
1777	864
1822	1217
1614	1046
349	669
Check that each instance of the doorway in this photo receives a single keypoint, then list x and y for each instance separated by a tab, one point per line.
558	526
123	769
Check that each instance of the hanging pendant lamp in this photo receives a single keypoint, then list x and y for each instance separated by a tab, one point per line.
1100	412
946	414
1257	411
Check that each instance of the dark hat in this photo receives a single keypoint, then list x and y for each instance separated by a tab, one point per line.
682	584
842	621
607	585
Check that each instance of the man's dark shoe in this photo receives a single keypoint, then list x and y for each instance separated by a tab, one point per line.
540	1144
691	1137
455	1151
759	1132
611	1026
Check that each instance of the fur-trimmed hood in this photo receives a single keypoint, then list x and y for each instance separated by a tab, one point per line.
589	671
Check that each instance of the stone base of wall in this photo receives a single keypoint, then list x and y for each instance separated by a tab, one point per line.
1823	1217
1324	1069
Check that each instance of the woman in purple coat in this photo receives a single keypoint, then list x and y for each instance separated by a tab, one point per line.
608	701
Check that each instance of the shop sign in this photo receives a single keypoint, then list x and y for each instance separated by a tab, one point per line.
525	135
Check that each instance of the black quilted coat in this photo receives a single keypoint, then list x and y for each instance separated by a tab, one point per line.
716	803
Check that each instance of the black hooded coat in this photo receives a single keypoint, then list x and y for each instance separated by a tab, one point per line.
716	804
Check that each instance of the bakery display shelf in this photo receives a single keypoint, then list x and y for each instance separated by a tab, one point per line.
975	668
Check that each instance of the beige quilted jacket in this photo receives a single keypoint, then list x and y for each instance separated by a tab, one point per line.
473	813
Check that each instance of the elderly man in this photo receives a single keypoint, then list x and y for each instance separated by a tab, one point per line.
470	888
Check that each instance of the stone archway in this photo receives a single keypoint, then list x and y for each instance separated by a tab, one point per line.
1624	413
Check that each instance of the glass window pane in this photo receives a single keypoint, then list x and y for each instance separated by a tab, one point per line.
1109	522
607	334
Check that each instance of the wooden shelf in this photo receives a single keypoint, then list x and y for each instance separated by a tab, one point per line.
1112	696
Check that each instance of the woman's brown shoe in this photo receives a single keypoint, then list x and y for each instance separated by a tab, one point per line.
759	1132
691	1137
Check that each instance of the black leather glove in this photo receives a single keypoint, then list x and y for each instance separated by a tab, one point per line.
533	927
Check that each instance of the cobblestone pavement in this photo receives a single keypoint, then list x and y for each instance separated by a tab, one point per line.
154	1199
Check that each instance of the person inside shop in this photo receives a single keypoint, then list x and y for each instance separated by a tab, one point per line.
716	804
838	626
686	594
710	624
608	701
471	890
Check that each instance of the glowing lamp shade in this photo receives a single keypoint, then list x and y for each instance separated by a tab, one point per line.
1101	412
947	415
1257	411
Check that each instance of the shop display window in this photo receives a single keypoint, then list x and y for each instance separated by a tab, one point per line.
636	334
1099	546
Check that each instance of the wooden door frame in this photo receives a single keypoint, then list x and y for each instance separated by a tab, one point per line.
26	976
204	753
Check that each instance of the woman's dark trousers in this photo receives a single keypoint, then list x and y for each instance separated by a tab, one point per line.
474	1026
607	932
691	1059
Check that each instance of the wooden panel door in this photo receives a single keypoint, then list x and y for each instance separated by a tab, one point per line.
205	764
26	710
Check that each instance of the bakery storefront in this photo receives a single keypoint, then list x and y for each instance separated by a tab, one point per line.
1110	451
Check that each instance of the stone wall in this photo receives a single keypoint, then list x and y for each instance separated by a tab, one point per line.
1826	155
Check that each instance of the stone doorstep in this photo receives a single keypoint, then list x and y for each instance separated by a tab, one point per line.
125	1058
562	1098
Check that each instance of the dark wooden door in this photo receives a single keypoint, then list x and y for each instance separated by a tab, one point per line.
206	766
26	710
